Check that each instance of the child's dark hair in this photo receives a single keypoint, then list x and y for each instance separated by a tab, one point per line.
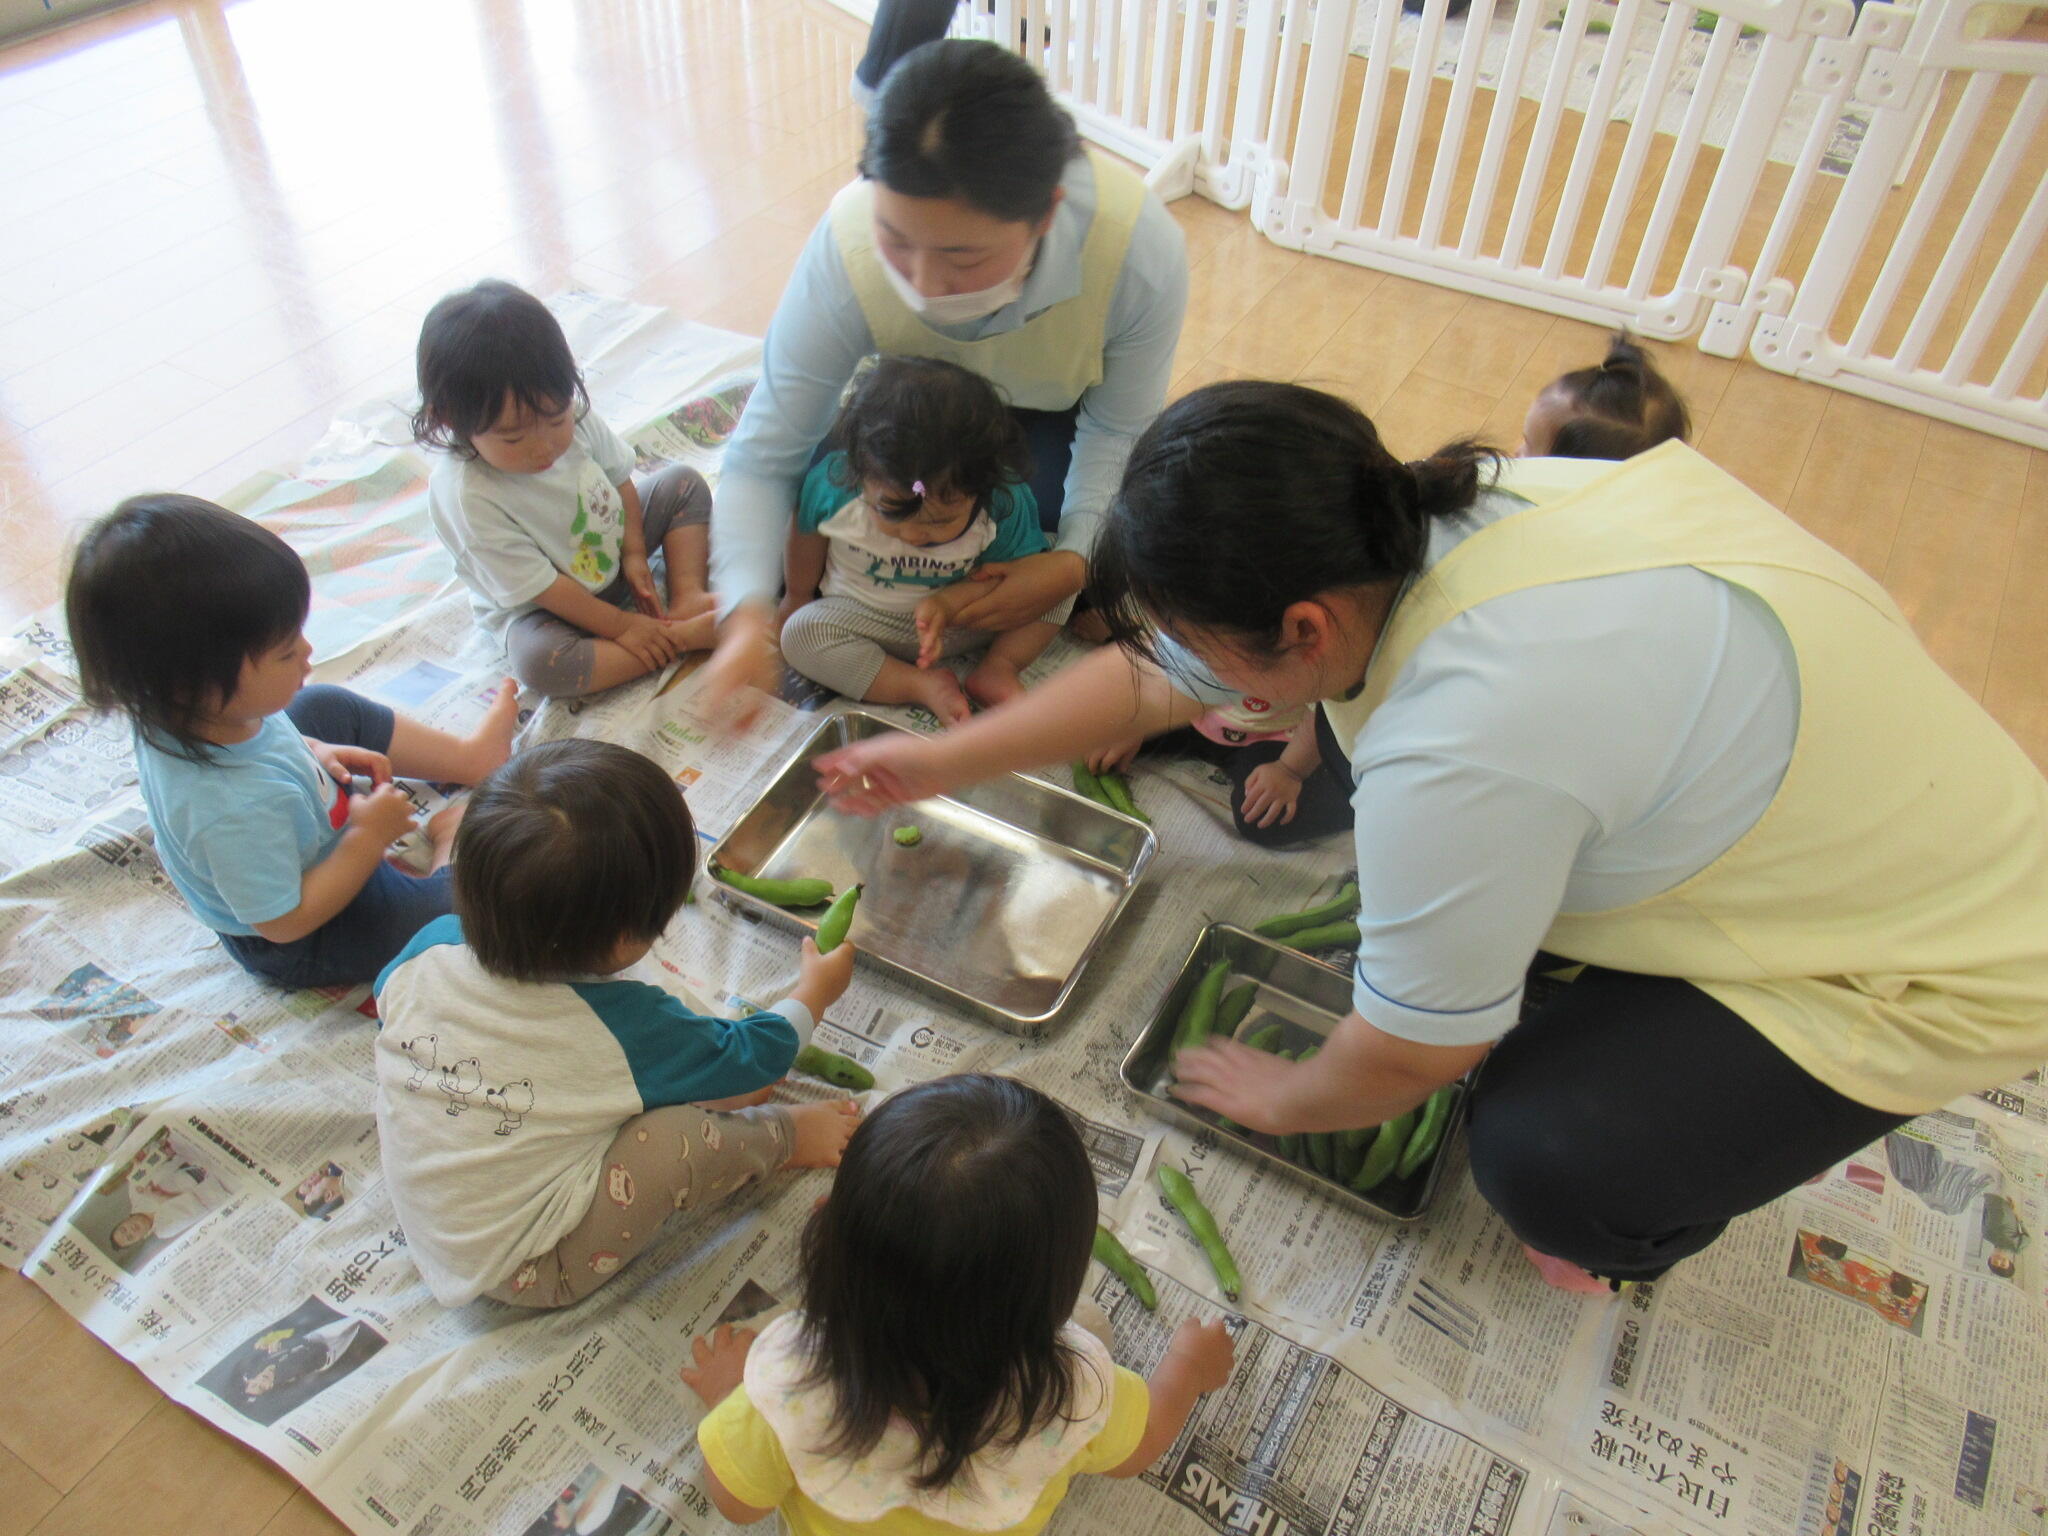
940	1270
168	596
480	347
1244	498
567	850
972	121
1620	409
919	419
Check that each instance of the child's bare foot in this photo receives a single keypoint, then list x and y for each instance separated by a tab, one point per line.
994	682
822	1131
441	830
939	691
740	1100
690	602
490	743
699	630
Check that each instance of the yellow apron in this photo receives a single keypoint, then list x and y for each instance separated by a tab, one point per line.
1885	922
1048	362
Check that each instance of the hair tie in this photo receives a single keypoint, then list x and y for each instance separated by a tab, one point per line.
917	489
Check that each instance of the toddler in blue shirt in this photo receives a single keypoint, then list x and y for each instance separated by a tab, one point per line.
190	620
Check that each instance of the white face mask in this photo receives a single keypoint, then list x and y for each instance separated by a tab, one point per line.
960	308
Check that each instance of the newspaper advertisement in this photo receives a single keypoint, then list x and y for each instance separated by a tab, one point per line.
189	1166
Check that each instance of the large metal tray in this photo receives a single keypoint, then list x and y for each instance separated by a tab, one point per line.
998	909
1306	998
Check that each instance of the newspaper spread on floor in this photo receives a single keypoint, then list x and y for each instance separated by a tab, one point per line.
191	1168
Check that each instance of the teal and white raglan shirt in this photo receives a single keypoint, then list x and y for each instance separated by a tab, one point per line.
497	1099
867	562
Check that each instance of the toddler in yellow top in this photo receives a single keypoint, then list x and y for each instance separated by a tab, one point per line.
935	1378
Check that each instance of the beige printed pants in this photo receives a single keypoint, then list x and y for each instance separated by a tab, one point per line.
678	1158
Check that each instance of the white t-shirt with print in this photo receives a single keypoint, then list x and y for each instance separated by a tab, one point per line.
512	535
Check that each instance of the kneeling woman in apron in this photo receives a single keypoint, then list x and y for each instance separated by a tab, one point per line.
1625	715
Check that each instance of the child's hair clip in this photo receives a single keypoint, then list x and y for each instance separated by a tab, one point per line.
917	489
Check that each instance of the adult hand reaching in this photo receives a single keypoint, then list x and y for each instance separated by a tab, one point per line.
1018	592
1247	1085
871	776
743	671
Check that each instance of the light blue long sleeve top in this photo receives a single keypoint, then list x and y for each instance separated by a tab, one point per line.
819	336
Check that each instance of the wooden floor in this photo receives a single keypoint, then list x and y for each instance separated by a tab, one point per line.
223	222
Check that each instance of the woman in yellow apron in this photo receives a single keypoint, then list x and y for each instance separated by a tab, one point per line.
982	233
1623	715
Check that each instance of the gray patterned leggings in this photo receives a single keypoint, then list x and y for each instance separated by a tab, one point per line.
677	1158
554	657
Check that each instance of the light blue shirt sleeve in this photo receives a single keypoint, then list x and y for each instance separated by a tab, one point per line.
815	341
237	834
1575	747
680	1057
1461	868
248	854
819	336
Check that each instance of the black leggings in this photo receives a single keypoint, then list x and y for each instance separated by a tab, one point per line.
1325	803
1628	1119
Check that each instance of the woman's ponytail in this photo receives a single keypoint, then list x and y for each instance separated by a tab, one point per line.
1450	480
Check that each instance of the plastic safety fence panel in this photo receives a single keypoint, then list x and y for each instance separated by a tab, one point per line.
1615	160
1173	85
1926	284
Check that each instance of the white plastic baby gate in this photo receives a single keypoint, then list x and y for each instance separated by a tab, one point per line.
1855	195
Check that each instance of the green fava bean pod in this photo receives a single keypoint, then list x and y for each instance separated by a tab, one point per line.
1117	789
1180	1194
1429	1131
1088	784
1307	940
1322	1151
837	919
1386	1151
1266	1038
806	892
1113	1256
1230	1013
1198	1020
839	1071
1336	909
1351	1149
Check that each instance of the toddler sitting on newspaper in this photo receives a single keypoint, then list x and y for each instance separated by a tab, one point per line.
941	1374
189	620
540	1117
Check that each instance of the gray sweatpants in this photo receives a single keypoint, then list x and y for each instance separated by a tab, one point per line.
678	1158
554	657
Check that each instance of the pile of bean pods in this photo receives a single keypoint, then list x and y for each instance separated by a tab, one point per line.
1111	789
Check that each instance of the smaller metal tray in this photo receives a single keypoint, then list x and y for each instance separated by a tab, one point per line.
1306	998
1000	906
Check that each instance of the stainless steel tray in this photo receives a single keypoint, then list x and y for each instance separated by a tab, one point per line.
1304	997
999	908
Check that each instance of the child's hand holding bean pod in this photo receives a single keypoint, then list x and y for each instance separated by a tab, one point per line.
384	813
